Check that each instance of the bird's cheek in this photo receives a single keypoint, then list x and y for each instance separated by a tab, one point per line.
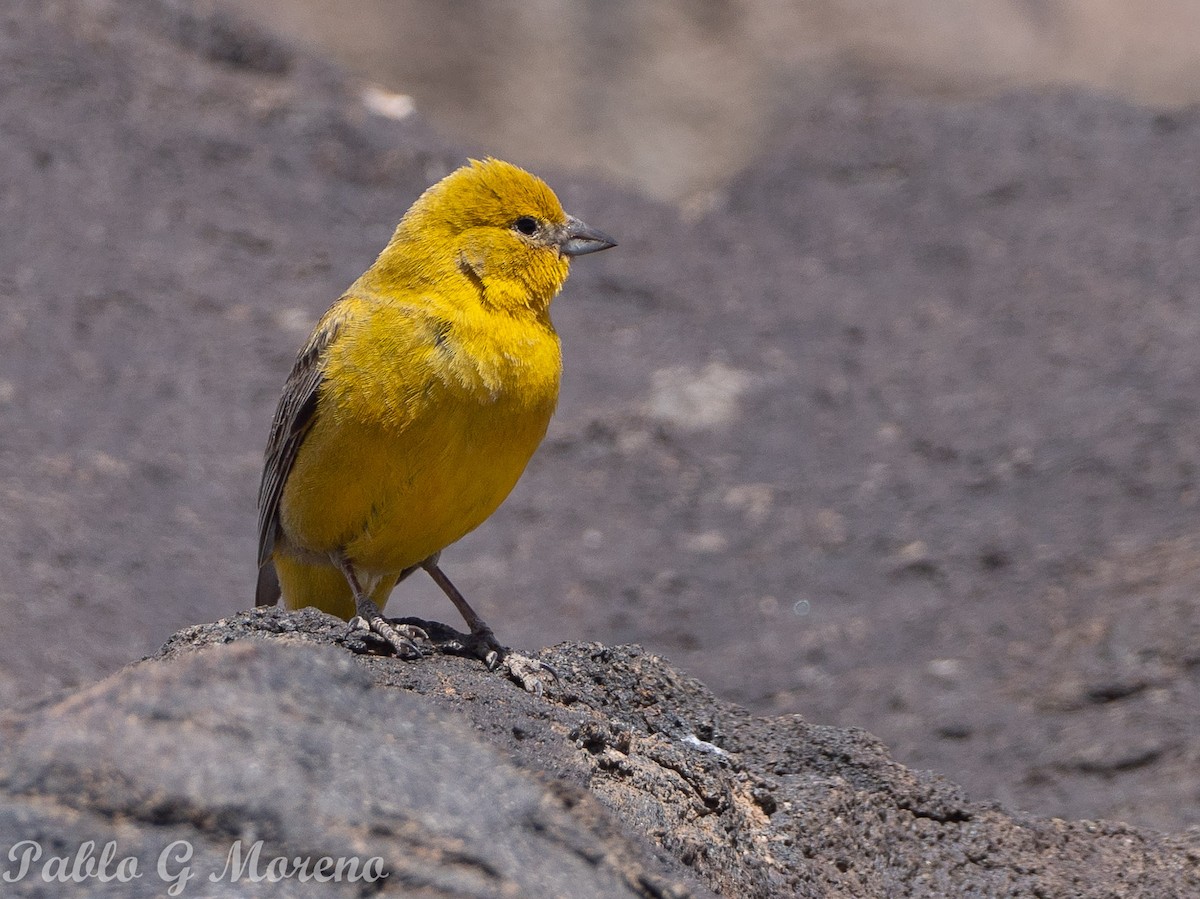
470	264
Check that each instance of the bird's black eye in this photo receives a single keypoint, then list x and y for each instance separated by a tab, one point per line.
526	225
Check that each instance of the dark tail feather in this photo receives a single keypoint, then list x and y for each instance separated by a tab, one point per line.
267	592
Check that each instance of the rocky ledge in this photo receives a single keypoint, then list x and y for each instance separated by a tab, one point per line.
257	756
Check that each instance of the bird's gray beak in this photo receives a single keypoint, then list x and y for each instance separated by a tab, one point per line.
578	239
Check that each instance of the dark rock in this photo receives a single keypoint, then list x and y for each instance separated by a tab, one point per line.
624	778
291	743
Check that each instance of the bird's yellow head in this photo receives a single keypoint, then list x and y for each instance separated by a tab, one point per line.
494	224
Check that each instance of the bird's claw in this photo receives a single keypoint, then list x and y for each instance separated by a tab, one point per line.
400	638
526	671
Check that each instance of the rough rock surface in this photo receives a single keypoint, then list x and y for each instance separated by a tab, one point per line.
901	432
295	747
624	777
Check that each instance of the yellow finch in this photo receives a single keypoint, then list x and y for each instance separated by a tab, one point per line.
418	400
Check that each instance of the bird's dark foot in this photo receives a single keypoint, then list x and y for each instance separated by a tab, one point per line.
481	644
526	671
371	634
531	674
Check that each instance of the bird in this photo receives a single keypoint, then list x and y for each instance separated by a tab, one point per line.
417	401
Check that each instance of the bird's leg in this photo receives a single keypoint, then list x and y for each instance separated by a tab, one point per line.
368	616
483	642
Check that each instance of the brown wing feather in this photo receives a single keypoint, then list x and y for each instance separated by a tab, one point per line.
293	418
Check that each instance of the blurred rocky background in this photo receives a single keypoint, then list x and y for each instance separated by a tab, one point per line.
884	413
675	97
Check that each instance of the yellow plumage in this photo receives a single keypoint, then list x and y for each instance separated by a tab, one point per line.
420	397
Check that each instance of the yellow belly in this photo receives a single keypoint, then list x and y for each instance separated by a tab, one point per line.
390	500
